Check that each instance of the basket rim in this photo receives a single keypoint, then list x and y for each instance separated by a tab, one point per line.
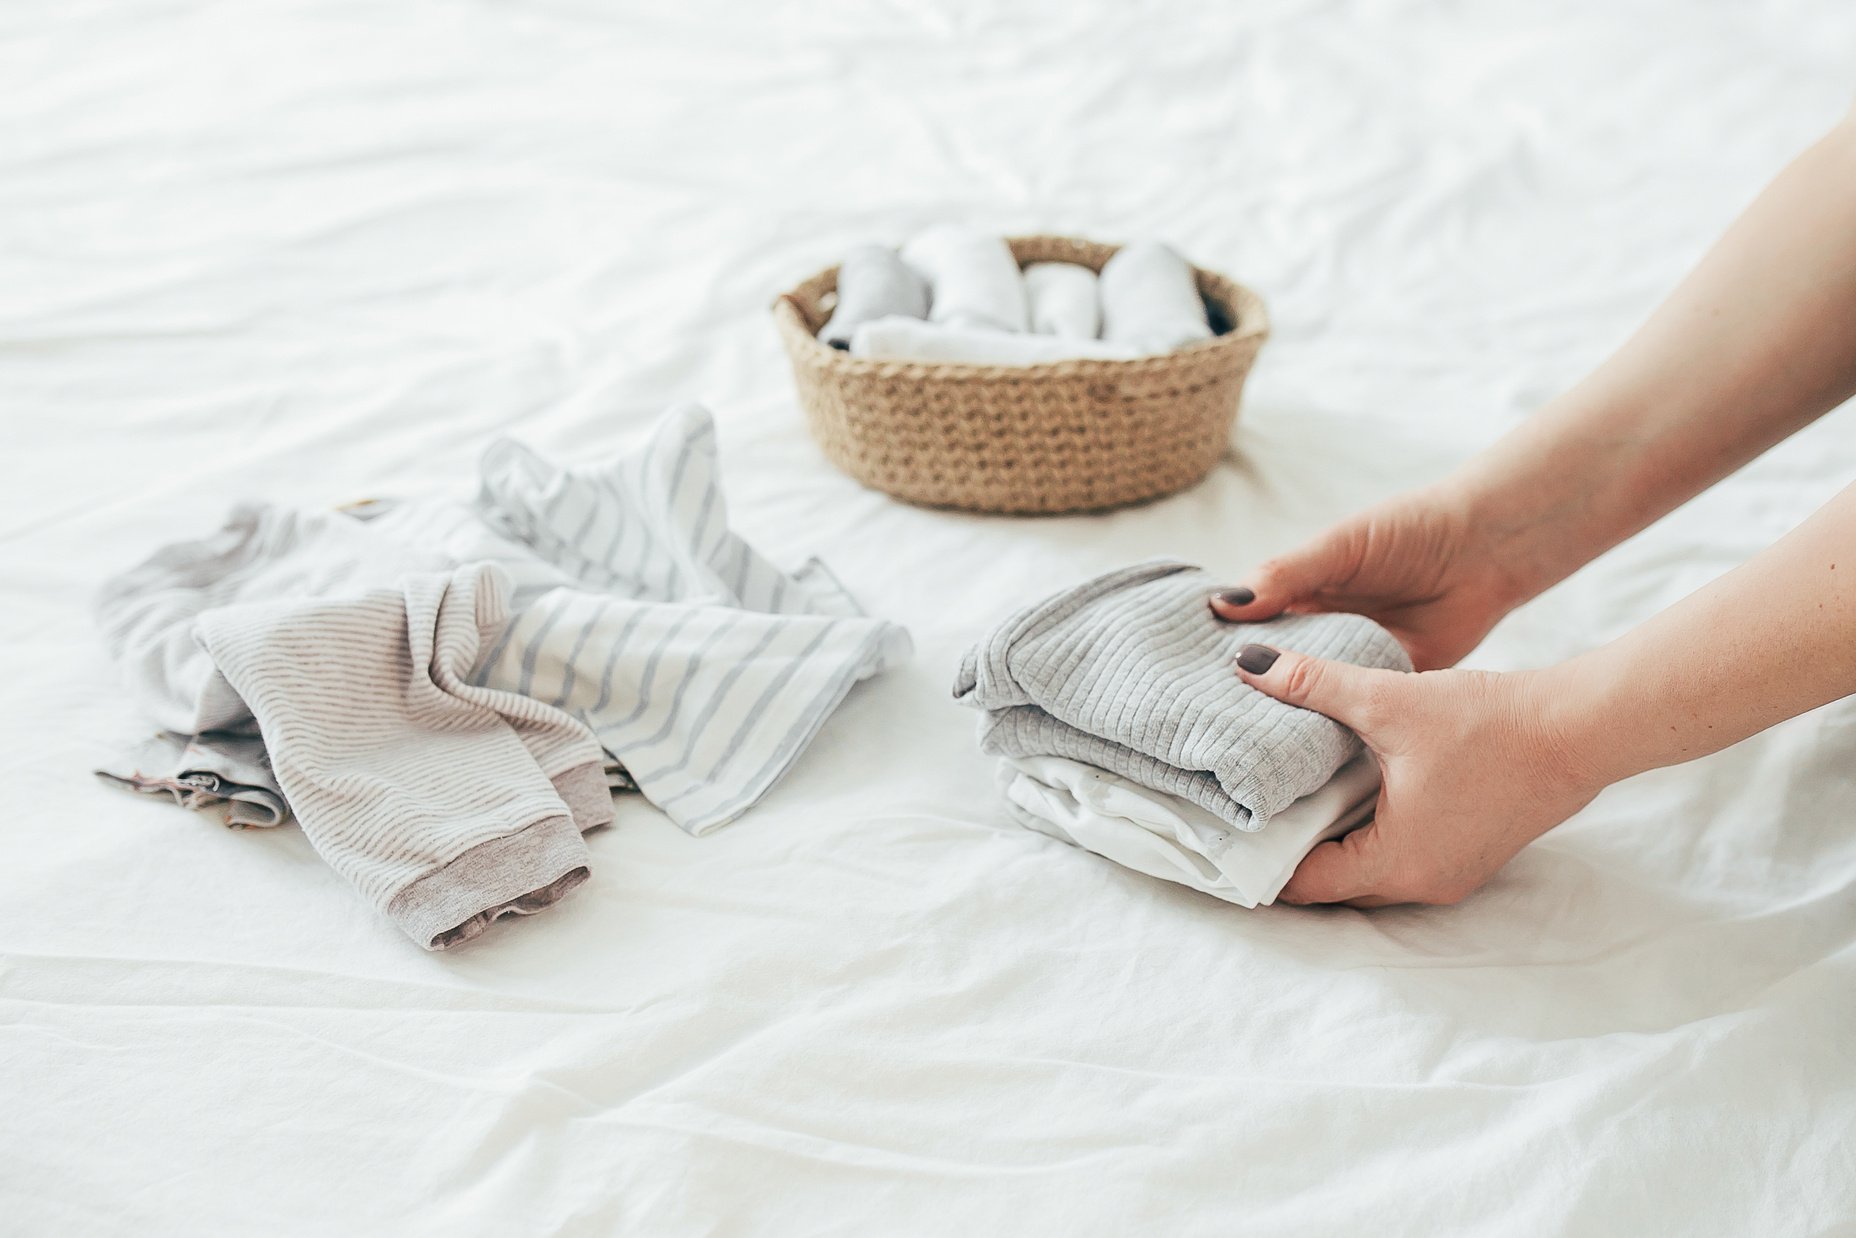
1252	328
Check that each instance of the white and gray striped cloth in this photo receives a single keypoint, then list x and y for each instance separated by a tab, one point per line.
703	669
613	602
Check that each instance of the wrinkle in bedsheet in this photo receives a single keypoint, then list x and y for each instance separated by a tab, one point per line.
325	251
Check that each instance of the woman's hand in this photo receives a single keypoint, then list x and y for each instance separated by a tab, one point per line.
1757	342
1476	765
1424	566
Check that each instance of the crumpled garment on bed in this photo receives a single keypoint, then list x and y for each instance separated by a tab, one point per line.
624	604
703	669
446	804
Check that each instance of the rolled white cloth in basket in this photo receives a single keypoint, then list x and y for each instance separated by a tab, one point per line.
1150	299
1063	300
973	279
874	282
911	339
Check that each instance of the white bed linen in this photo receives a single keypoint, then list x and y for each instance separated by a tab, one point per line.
314	252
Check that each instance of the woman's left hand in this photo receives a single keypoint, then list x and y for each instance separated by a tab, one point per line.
1476	765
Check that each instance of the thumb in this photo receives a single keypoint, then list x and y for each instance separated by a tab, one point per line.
1353	696
1280	583
1347	869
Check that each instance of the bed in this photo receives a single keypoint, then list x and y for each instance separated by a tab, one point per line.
320	252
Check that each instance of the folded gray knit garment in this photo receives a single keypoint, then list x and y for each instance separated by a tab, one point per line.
1131	672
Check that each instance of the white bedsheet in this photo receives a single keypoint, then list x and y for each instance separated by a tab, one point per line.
316	251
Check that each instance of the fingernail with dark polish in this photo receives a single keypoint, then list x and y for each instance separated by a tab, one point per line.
1239	596
1257	658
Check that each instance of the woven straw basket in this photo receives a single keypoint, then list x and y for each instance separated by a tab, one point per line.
1055	437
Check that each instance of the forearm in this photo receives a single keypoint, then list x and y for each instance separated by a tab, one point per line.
1773	638
1757	342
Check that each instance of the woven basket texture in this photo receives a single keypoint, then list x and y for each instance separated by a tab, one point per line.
1060	436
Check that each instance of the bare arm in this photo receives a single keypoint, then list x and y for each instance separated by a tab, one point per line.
1756	343
1773	638
1760	340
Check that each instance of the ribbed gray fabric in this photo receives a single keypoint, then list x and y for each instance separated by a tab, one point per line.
1132	673
399	770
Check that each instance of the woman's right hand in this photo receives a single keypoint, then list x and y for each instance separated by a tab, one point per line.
1420	565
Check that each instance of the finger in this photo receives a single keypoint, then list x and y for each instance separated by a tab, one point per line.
1354	696
1279	583
1348	870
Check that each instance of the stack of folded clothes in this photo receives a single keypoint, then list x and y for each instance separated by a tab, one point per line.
1124	730
956	295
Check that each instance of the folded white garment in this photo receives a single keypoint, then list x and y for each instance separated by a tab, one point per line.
873	282
1063	300
1174	839
1150	299
973	279
910	339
